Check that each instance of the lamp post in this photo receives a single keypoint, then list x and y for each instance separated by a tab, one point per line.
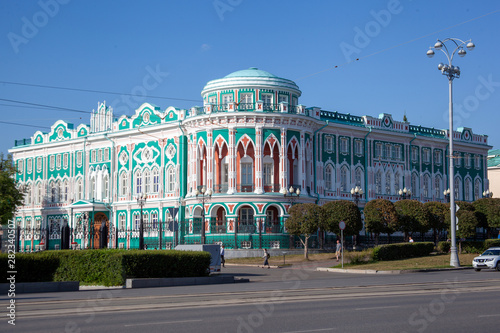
405	193
357	193
141	200
447	195
204	193
451	72
487	194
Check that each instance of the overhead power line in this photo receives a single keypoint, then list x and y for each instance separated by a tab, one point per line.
96	91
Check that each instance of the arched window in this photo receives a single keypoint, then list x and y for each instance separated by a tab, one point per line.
329	178
414	184
468	190
53	192
378	182
268	171
79	189
65	191
426	187
388	183
60	191
147	181
138	182
477	189
170	179
27	198
122	222
437	187
246	172
137	221
123	183
92	188
344	180
39	193
105	188
358	175
154	220
156	181
457	188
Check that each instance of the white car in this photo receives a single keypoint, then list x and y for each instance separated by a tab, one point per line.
489	259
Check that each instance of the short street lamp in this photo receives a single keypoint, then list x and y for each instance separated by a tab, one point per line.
405	193
291	193
205	195
141	200
487	194
451	72
447	195
357	193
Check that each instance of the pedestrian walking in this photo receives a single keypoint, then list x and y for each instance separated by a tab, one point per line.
266	257
222	260
338	249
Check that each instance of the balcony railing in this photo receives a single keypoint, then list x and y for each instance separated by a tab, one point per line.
245	107
244	188
220	188
218	226
246	226
272	188
273	226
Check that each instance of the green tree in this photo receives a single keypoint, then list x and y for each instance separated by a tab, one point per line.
11	195
342	210
488	212
468	220
304	221
413	216
437	217
380	217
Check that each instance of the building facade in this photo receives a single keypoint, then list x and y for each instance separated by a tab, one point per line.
228	171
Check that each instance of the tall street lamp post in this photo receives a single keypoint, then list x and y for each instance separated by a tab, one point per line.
451	72
141	200
205	195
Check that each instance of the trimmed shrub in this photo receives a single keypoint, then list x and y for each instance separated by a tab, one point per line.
109	267
402	251
472	246
491	243
39	267
444	247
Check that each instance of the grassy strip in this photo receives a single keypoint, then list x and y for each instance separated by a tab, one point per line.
428	262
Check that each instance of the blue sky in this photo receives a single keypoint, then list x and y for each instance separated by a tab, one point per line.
170	49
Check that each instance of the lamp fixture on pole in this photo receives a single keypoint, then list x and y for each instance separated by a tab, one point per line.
487	194
451	72
447	195
291	193
141	200
357	193
405	193
205	195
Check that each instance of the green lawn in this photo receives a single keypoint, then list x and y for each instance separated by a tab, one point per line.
429	262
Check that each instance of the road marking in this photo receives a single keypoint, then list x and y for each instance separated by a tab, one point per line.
377	307
318	330
165	322
492	315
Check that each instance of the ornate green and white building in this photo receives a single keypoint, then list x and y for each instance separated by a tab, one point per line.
223	170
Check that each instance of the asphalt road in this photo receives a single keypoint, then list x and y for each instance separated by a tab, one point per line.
293	299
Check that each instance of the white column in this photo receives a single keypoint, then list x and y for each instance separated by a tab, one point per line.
258	161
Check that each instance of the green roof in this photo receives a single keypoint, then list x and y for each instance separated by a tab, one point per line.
251	72
494	158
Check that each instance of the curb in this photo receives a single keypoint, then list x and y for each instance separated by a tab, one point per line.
402	271
40	287
177	282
